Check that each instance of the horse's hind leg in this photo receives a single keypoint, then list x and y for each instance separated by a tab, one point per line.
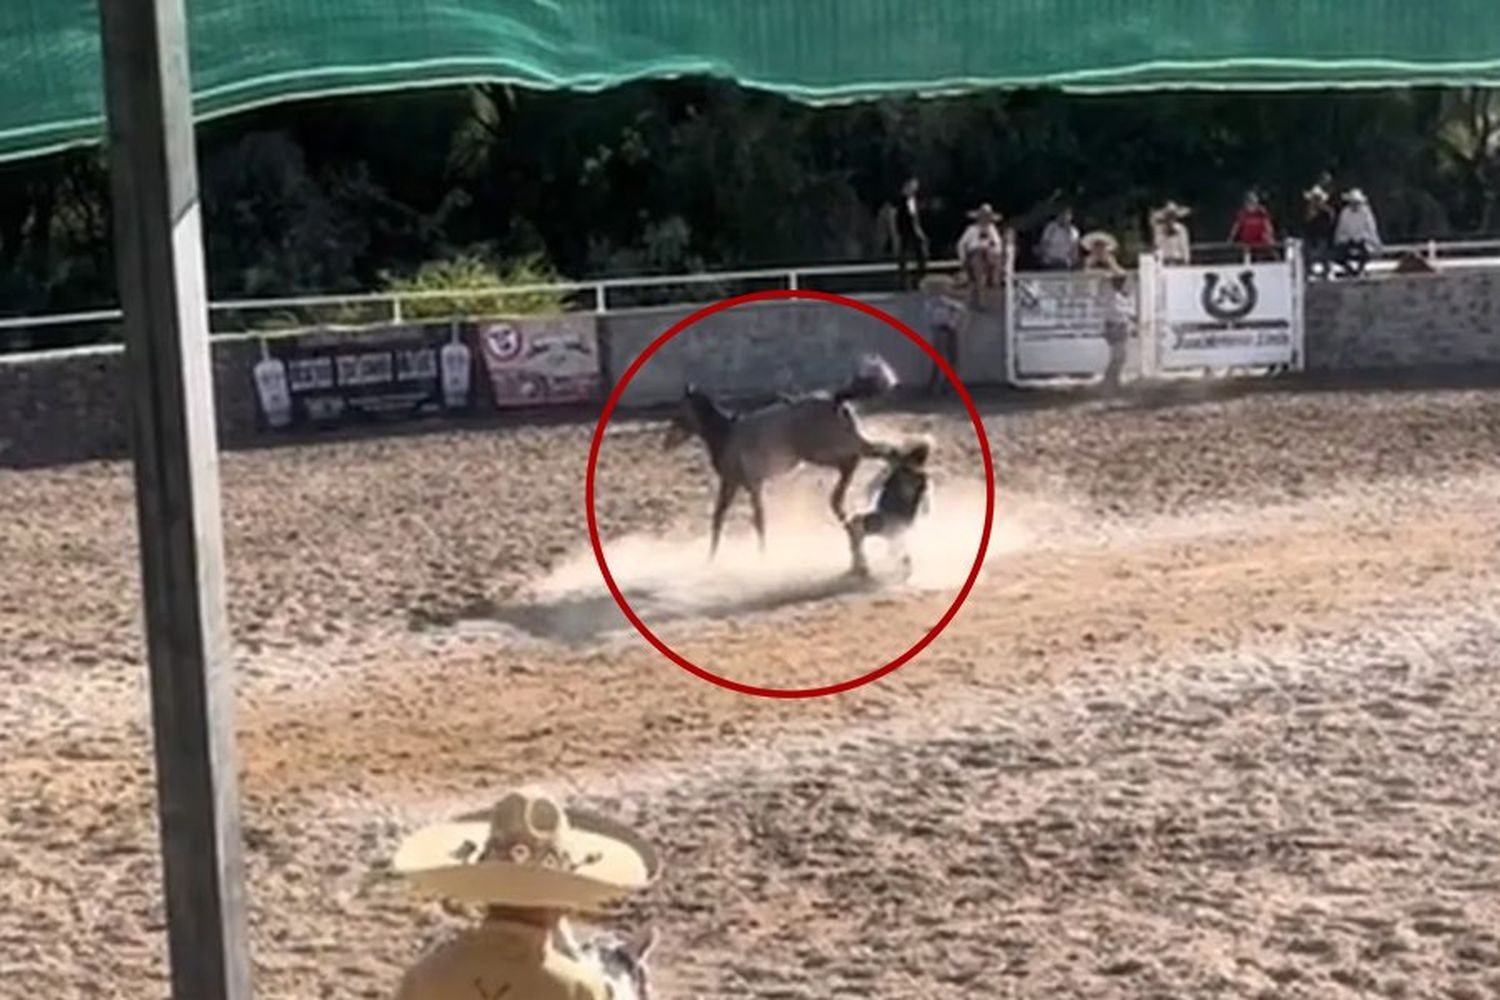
856	529
727	489
758	513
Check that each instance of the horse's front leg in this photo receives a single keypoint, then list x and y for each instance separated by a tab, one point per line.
841	489
727	489
757	513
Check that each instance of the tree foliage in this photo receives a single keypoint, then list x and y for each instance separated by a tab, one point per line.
485	282
666	177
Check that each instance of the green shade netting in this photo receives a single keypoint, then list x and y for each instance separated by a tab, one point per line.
246	53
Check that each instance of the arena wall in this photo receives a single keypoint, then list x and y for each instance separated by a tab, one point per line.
1404	321
70	408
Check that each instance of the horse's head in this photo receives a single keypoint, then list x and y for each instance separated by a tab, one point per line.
684	424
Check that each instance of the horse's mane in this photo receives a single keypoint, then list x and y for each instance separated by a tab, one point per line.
707	409
714	421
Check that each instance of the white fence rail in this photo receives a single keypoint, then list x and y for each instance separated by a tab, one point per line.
1451	255
598	292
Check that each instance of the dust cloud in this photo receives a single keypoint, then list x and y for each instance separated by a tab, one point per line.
667	575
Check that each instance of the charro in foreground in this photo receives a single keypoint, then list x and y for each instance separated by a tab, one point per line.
533	865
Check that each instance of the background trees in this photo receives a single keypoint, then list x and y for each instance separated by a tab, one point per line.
691	174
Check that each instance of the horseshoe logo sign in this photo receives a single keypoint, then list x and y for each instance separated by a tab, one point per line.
1227	303
504	341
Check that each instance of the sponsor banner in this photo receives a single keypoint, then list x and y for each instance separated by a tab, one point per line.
1234	315
387	373
540	361
1058	324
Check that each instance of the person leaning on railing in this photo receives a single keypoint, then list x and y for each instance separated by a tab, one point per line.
1169	234
981	249
1253	229
1317	231
1356	238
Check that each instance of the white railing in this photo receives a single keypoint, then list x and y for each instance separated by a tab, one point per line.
792	278
1458	254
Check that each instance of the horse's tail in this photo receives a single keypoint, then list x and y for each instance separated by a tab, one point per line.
875	377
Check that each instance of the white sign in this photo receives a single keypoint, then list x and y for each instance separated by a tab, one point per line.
1058	324
1231	315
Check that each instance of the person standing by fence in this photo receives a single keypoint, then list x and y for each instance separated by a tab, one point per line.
1117	322
911	238
981	250
1169	234
1253	229
1356	238
946	317
1057	250
1318	229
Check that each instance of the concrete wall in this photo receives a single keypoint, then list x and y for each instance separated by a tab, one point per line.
1404	321
768	347
71	408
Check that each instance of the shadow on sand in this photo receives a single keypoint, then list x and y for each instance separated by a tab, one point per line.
579	619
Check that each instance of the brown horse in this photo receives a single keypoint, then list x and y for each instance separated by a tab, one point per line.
749	448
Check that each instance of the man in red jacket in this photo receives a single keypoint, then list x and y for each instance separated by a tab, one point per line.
1252	227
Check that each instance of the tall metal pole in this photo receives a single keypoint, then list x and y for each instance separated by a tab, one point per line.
159	254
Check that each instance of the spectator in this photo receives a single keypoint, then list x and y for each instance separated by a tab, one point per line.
1252	227
1116	309
530	863
1099	251
911	238
1058	247
945	316
1325	184
981	249
1357	236
1318	228
1169	234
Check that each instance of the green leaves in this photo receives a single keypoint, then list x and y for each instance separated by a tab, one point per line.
485	284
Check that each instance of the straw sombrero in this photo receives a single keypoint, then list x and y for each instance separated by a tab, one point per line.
1098	241
985	213
528	851
1171	210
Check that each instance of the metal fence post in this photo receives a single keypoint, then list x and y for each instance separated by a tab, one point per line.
169	380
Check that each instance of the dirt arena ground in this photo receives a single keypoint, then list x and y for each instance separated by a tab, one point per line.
1220	719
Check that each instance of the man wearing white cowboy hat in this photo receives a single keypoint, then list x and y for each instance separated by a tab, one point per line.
1118	312
530	863
1099	251
1317	229
980	248
946	318
1169	234
1356	237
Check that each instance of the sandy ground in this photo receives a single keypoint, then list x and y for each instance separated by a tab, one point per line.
1219	718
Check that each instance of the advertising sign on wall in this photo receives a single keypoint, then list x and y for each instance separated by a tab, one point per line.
540	361
1234	315
399	372
1058	323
